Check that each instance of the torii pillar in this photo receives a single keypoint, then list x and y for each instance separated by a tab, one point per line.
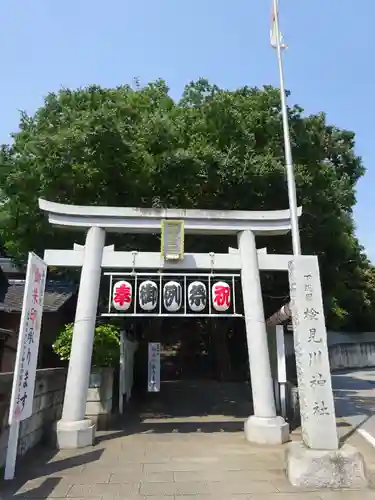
264	427
74	430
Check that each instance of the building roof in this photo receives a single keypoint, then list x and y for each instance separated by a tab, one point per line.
7	266
5	333
57	293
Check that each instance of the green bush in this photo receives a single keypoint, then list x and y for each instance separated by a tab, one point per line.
106	350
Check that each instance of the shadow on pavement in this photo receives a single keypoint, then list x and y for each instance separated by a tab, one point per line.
128	429
39	463
185	407
44	490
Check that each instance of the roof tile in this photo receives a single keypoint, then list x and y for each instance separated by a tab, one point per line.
56	295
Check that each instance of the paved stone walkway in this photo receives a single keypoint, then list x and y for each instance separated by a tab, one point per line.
179	466
172	457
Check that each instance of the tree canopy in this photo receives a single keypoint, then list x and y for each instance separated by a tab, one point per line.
214	149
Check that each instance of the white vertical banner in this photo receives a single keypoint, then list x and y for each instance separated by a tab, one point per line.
153	367
21	403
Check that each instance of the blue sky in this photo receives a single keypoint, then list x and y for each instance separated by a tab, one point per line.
46	44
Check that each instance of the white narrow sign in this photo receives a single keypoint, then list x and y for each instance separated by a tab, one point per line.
21	403
154	367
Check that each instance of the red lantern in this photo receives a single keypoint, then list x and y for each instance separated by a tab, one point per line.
122	295
221	296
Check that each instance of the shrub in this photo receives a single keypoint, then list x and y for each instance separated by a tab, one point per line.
106	350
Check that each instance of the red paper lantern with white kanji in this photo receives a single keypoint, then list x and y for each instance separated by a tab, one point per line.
122	295
221	296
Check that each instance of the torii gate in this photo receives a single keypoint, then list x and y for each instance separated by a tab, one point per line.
73	430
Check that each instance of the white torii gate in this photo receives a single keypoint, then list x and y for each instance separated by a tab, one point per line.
73	430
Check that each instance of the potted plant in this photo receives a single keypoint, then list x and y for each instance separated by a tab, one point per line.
105	359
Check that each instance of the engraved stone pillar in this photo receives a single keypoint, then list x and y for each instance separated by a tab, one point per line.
310	343
317	462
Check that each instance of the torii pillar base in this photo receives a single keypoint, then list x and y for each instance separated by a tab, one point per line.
269	431
72	435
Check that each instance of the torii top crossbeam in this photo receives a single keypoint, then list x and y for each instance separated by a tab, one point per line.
148	220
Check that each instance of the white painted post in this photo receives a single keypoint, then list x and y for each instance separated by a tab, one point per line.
11	457
263	426
281	367
310	343
71	428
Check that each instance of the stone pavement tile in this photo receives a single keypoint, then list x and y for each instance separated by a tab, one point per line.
115	468
347	495
88	477
248	449
197	457
189	488
151	477
243	487
107	491
212	497
214	464
163	497
174	466
289	496
128	456
234	460
155	459
241	475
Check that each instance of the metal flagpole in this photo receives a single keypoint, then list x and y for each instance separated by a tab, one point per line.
288	152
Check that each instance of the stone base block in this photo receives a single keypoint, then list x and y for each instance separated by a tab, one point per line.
71	435
101	421
266	430
343	468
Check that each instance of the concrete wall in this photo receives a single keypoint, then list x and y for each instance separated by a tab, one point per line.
100	397
351	356
346	350
47	407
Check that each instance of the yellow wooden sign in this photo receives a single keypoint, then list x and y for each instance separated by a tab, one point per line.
172	239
